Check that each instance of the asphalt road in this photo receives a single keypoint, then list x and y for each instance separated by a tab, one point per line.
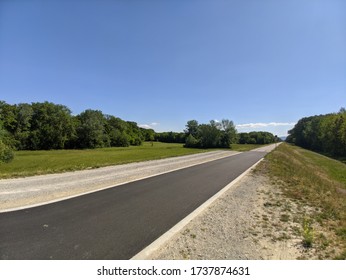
119	222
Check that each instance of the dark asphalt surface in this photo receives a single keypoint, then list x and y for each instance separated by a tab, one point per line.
116	223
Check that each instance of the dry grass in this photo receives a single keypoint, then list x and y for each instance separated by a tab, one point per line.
318	182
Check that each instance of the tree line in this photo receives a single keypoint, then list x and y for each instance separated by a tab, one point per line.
45	126
322	133
257	137
222	135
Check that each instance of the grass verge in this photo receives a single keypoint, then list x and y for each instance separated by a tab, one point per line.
318	182
29	163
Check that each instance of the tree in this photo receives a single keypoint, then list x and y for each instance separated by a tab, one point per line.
8	116
208	136
323	133
46	125
229	135
257	137
50	126
192	128
216	124
116	128
22	132
213	135
244	138
191	142
91	130
171	137
134	133
148	134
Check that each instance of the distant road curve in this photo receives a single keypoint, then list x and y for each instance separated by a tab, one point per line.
116	223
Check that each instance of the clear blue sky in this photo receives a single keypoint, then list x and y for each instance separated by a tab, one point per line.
263	64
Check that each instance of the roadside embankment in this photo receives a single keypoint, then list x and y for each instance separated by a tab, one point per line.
292	206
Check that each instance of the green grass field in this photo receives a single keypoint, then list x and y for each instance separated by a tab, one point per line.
319	182
29	163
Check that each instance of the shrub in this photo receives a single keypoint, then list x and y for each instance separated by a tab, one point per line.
191	142
6	153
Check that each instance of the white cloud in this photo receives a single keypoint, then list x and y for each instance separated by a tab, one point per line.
259	125
144	126
277	128
149	126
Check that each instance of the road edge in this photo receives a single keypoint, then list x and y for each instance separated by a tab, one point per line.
155	245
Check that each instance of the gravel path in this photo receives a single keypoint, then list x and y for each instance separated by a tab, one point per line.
36	190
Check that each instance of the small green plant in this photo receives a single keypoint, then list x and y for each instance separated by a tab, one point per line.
308	233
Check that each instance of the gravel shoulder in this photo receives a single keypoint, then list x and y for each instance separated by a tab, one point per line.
235	227
37	190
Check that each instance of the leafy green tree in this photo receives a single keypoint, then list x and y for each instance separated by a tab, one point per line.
208	136
91	129
50	127
148	134
8	116
323	133
229	133
121	139
192	128
180	137
23	128
213	135
134	133
116	128
171	137
333	135
257	137
244	138
46	125
191	142
216	124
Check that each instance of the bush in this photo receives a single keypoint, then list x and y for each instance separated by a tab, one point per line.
6	153
191	142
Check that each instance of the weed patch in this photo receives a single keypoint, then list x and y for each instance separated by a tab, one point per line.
308	233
